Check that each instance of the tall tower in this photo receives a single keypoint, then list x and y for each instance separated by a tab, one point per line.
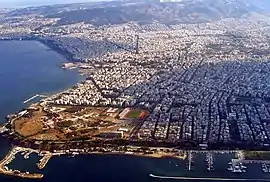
137	44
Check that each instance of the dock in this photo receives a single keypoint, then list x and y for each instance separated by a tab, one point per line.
189	160
9	158
43	161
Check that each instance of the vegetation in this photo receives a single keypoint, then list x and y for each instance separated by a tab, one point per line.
65	124
134	113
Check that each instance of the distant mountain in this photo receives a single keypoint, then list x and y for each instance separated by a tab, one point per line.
142	11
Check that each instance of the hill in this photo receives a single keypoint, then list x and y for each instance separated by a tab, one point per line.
118	12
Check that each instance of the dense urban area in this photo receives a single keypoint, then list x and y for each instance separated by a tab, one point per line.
179	79
203	82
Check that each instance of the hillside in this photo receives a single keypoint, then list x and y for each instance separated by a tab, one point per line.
117	12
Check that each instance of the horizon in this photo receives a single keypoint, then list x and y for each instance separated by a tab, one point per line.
28	3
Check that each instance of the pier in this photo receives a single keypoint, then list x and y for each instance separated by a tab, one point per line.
33	97
210	161
189	160
9	158
43	162
205	179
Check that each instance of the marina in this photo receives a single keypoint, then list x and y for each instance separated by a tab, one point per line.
194	160
9	158
238	168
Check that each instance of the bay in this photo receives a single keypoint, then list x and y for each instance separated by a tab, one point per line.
28	68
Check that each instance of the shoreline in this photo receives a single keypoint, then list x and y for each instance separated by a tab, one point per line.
46	156
11	155
194	146
50	44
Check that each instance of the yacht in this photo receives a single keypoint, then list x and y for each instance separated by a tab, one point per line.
242	166
237	169
230	168
264	169
210	168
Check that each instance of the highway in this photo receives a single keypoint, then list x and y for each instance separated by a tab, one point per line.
205	179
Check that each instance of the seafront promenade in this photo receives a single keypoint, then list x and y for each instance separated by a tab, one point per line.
184	156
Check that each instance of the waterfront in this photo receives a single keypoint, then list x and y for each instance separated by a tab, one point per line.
33	68
113	168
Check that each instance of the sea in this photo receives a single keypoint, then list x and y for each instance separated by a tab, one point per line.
28	68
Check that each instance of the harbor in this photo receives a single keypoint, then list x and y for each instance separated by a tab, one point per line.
200	165
9	158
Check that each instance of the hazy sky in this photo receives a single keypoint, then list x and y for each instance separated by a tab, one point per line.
17	3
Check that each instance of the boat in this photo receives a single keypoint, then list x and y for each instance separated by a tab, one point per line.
210	168
242	166
230	168
264	168
237	171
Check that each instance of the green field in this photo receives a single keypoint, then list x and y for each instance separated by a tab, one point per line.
134	113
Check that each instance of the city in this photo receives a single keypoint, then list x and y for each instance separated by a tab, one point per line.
183	86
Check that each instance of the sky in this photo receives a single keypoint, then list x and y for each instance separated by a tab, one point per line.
21	3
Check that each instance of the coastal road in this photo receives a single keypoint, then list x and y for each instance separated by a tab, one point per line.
205	179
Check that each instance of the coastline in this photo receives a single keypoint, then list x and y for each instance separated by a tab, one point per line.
50	46
10	156
43	163
49	43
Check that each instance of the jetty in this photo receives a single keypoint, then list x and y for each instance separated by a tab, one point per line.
33	97
43	161
205	179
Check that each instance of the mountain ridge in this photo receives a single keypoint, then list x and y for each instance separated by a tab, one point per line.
118	12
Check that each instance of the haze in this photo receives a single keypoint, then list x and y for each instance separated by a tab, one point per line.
22	3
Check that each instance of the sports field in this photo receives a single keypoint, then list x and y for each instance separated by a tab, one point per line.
134	113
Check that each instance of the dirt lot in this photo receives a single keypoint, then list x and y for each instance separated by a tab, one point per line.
30	124
72	123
